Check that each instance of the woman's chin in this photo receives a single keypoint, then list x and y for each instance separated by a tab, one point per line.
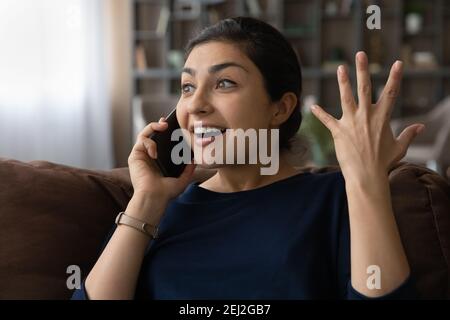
207	163
210	166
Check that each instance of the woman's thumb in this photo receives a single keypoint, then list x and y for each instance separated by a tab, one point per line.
408	134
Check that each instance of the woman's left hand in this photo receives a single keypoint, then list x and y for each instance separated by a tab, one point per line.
364	143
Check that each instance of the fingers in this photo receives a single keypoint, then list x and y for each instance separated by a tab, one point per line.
152	127
391	89
328	120
408	134
187	173
363	80
146	145
345	89
151	147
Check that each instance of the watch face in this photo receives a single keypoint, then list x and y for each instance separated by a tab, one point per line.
153	232
156	233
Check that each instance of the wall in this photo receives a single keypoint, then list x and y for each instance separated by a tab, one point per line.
118	39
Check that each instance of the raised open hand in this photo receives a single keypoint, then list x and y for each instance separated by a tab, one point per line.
363	138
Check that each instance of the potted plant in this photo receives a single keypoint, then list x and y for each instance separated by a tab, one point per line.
318	136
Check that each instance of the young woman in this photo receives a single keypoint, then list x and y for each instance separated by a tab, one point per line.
243	235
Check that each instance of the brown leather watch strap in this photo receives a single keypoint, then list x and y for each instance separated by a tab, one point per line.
148	229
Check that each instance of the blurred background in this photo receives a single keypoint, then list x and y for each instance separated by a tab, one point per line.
80	78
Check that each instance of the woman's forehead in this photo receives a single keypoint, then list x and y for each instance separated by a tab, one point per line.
209	54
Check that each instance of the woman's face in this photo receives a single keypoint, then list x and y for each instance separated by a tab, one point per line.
221	87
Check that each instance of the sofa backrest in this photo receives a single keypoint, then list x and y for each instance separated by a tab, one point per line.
54	216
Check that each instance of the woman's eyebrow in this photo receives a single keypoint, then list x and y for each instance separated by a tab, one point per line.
215	68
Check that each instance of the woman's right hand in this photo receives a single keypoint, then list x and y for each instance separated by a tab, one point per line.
146	178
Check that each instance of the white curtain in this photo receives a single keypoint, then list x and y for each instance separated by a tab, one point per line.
54	102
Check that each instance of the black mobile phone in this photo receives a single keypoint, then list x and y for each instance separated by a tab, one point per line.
164	146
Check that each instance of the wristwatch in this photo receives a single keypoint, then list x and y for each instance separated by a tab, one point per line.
148	229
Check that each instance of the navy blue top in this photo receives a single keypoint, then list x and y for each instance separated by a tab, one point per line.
286	240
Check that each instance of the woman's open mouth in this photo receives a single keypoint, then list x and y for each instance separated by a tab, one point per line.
205	135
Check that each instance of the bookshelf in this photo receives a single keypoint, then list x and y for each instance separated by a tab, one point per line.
324	33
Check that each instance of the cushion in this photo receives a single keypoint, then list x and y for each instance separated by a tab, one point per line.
421	202
53	216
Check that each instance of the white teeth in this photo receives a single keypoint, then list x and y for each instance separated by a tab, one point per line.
203	130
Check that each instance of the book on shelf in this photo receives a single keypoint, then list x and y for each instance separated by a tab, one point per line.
254	8
163	21
187	9
141	58
346	7
213	16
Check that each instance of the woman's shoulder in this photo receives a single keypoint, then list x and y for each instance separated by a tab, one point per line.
318	187
321	177
300	183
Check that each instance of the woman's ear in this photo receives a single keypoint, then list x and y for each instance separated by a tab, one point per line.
283	109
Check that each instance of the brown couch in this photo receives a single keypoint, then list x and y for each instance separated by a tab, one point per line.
53	216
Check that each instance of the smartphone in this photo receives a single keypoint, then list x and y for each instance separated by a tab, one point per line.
165	145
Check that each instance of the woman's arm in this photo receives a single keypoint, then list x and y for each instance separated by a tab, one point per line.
366	149
115	273
375	240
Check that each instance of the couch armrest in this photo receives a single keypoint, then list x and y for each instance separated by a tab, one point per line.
421	203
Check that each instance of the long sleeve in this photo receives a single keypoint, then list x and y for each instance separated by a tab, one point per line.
406	291
80	294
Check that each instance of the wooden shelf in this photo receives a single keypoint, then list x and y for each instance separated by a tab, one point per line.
147	35
348	17
316	40
156	73
148	1
424	33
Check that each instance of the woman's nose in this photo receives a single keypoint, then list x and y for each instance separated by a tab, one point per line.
199	103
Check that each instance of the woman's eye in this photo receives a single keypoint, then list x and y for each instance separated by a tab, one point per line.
186	88
225	84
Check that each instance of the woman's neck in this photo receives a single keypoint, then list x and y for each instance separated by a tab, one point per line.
246	177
